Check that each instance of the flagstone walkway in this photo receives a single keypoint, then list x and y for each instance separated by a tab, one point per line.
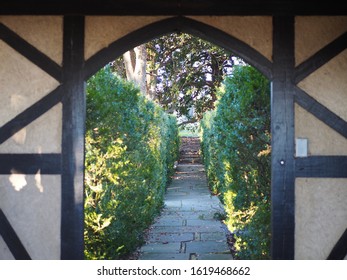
188	227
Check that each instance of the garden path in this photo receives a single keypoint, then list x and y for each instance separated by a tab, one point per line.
188	227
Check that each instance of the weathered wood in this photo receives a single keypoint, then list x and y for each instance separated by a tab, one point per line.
11	239
321	167
321	112
173	7
72	215
339	252
30	114
320	58
282	129
30	163
178	24
30	52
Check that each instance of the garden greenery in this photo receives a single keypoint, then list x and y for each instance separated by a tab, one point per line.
236	150
131	146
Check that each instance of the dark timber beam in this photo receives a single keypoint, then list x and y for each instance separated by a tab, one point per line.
172	7
321	167
282	129
30	52
177	24
11	239
30	114
321	112
30	163
339	252
72	215
320	58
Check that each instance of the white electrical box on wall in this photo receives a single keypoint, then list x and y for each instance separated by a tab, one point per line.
301	147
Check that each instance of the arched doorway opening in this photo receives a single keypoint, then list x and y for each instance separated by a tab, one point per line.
250	55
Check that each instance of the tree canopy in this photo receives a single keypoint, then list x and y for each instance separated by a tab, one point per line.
183	73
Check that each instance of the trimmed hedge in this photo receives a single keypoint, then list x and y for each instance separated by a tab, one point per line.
131	146
236	151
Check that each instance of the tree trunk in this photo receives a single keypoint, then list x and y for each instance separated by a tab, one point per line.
135	65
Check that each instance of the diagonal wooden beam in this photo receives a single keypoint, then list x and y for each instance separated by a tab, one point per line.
30	114
339	252
320	58
30	52
320	112
12	240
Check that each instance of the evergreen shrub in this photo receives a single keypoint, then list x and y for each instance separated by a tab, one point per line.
131	146
236	151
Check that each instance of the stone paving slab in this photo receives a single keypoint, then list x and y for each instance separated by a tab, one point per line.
187	228
216	256
165	237
190	215
200	247
164	256
216	236
180	229
174	247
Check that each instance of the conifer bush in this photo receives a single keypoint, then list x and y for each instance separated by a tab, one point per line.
131	146
236	151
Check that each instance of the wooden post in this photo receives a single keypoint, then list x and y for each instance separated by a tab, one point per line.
72	219
282	114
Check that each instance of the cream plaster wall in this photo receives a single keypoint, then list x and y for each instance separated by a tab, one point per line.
320	204
5	253
22	83
41	136
32	203
101	31
328	85
255	31
321	216
43	32
314	32
322	140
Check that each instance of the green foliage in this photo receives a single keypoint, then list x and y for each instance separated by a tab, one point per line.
131	146
184	72
188	71
236	150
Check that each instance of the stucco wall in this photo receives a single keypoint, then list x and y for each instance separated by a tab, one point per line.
32	204
22	83
255	31
5	253
41	136
321	216
102	31
43	32
322	140
328	85
321	211
315	32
